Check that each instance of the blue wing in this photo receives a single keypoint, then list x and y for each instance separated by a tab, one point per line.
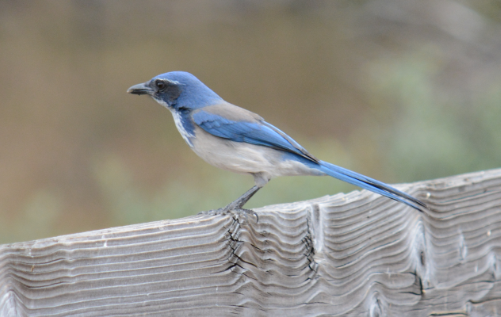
257	132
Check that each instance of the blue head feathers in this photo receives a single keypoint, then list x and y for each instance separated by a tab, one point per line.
177	90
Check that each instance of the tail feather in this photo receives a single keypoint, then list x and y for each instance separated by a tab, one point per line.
371	184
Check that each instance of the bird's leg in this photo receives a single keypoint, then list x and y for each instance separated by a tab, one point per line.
236	206
242	200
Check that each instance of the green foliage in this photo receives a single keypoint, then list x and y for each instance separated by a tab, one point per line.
434	133
38	218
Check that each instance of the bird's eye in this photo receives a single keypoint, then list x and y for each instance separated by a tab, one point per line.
160	84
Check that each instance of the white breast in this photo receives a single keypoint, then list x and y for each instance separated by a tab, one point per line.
241	157
179	124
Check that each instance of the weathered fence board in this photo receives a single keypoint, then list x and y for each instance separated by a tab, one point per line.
357	254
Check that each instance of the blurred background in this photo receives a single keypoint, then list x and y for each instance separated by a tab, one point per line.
400	90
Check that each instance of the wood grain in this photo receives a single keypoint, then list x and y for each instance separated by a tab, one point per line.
357	254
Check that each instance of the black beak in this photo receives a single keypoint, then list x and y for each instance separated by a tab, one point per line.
140	89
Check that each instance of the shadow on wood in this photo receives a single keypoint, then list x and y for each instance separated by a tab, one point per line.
357	254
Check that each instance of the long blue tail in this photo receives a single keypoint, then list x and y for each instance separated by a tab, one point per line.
370	184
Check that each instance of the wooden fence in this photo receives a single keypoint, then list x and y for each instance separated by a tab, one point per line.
357	254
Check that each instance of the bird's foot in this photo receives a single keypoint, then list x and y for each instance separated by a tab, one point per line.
244	212
236	211
211	212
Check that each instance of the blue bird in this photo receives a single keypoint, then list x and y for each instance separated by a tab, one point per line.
238	140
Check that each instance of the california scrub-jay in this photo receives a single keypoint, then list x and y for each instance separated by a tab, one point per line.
235	139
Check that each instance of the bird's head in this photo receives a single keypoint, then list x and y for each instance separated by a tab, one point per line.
177	90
